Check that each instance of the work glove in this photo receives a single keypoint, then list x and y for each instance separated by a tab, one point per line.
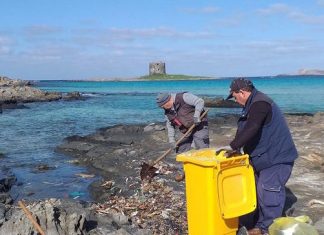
197	120
232	153
228	152
223	149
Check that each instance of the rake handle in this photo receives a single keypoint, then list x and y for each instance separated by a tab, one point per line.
179	141
31	218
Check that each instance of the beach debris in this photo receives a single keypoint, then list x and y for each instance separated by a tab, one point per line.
73	161
314	202
165	168
28	194
108	184
85	175
313	157
54	184
154	206
76	194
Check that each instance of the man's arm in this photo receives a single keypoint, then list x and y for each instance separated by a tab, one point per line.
193	100
171	131
259	115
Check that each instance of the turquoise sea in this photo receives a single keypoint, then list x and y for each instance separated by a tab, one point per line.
29	136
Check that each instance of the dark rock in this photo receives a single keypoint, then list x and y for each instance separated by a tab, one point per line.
54	217
319	225
154	127
6	182
11	104
65	217
3	210
5	81
221	103
73	96
15	92
5	198
43	167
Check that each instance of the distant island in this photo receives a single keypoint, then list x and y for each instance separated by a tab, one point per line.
172	77
305	72
310	72
152	77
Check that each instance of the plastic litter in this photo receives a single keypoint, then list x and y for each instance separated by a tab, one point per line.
76	194
300	225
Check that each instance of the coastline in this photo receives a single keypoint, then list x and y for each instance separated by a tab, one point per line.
194	78
116	152
14	93
118	160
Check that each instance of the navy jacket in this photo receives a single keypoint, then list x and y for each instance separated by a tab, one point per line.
273	144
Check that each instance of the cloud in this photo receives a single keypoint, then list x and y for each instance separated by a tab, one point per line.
320	2
203	10
275	9
50	52
41	30
283	47
156	32
133	37
292	13
5	45
232	21
306	19
45	44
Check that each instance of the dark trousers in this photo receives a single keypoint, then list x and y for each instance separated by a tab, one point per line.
271	196
200	137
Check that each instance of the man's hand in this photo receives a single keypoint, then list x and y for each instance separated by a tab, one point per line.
228	152
197	120
222	149
232	153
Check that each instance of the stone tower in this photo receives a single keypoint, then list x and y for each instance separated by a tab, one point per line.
157	68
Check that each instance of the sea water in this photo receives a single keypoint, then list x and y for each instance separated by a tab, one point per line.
29	136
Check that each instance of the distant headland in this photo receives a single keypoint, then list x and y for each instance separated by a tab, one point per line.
306	72
153	78
310	72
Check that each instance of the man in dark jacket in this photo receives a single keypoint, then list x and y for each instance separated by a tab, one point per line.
264	134
182	110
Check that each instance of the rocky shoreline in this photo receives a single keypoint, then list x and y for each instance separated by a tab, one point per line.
116	153
14	93
126	205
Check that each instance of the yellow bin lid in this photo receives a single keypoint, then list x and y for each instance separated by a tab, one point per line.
202	157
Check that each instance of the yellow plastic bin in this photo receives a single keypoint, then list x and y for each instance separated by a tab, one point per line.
218	191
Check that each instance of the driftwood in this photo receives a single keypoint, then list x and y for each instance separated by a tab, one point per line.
312	202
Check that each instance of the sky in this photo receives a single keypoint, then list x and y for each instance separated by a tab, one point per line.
82	39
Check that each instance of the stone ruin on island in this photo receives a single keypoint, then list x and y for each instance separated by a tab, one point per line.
157	68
